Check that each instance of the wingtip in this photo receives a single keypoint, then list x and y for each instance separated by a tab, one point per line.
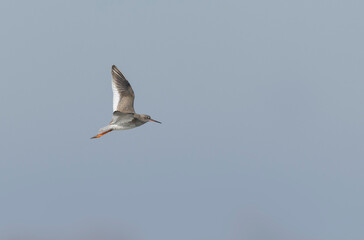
113	67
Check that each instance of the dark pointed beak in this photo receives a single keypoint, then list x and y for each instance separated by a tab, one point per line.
152	120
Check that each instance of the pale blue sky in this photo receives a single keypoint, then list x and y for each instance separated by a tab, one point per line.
262	111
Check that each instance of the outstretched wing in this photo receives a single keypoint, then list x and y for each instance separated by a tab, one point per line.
123	94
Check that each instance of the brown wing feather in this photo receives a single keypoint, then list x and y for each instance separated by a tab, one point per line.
123	93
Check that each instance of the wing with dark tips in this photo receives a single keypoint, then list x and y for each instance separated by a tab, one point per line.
123	94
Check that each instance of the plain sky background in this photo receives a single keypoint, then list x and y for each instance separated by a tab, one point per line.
262	111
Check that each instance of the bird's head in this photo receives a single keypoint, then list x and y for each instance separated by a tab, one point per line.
147	118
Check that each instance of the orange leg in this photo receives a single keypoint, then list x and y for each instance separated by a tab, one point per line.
101	134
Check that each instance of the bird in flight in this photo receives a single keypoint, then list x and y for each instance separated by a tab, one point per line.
124	116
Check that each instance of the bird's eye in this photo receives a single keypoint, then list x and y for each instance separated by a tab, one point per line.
148	117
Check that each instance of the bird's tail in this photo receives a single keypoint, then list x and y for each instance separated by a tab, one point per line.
101	134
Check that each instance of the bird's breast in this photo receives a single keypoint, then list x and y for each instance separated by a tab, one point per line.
122	125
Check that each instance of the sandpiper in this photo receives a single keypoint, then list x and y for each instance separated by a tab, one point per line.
124	116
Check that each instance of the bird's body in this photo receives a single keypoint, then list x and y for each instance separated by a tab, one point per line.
124	116
123	122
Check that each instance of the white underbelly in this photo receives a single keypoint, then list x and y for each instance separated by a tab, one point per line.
123	127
